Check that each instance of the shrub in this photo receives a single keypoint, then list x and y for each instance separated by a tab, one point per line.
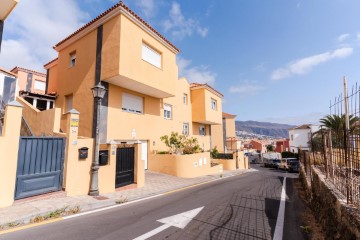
214	152
180	144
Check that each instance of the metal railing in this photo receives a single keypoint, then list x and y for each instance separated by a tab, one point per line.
335	148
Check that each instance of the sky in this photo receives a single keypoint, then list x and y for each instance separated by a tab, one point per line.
278	61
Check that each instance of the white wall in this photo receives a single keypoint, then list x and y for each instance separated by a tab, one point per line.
299	137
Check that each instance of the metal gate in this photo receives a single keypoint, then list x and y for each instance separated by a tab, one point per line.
40	166
124	166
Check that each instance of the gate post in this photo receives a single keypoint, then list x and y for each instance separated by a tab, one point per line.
139	167
9	147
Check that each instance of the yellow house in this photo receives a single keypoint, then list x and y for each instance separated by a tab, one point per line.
145	99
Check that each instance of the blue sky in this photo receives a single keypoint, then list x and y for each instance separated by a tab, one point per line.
278	61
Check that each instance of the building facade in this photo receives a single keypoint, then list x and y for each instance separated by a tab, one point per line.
300	137
145	99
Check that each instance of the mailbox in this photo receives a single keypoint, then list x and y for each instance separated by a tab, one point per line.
83	153
103	157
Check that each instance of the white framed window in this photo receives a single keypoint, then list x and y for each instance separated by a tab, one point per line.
213	104
68	103
39	85
186	129
185	99
202	130
72	59
132	103
167	111
151	56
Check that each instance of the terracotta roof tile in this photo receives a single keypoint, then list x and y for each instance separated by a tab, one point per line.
120	4
17	69
228	115
7	72
194	85
50	62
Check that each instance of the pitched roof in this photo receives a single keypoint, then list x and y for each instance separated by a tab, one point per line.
228	115
7	72
17	69
304	126
52	61
122	6
199	85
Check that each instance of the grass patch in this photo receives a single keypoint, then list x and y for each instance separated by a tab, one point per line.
56	214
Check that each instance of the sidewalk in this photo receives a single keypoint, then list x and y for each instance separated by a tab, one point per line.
155	183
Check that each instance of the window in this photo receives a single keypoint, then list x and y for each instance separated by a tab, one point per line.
151	56
68	103
39	85
292	137
167	111
72	59
213	104
202	130
132	103
186	128
185	99
41	104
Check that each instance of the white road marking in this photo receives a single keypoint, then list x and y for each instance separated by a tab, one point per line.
278	234
179	220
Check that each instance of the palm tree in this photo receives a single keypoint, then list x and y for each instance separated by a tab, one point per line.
336	124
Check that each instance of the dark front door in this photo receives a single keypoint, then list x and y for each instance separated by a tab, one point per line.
124	166
40	166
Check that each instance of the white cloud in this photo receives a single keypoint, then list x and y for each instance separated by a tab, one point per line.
179	26
247	88
34	27
305	65
197	74
147	7
343	37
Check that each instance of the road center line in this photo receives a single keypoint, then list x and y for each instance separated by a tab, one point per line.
279	229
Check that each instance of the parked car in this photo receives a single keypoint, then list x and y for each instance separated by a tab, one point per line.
293	166
275	163
285	162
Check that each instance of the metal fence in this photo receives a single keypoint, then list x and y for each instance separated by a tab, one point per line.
335	148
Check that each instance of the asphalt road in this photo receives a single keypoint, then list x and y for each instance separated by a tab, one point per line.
240	207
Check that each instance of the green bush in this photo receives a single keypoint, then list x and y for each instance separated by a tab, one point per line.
180	144
214	152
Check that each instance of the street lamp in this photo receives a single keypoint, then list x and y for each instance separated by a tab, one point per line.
98	93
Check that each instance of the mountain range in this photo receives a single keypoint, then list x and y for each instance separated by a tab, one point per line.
276	130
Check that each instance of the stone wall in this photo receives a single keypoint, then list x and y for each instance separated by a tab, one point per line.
338	219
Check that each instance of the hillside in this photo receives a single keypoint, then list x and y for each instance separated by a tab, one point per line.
264	128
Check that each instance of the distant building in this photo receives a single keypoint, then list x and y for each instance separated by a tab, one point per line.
32	87
300	136
282	145
259	145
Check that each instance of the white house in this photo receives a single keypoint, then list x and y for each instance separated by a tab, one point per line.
300	136
8	87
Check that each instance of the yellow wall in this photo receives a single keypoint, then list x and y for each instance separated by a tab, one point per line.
230	127
41	122
186	166
201	104
9	146
131	65
217	137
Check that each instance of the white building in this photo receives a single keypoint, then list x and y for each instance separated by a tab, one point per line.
300	136
8	87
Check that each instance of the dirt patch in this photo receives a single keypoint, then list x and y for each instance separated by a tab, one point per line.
309	226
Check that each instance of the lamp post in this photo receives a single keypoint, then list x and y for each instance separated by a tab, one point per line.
98	93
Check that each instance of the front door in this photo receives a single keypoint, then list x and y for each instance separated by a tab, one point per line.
124	166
